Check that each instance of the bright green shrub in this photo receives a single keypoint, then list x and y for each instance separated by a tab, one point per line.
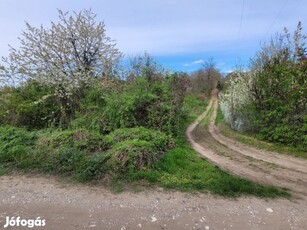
160	140
270	100
280	91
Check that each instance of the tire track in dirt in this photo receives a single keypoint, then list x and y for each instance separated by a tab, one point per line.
247	162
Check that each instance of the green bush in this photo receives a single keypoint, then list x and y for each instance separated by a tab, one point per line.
94	168
144	103
132	149
30	105
280	103
160	140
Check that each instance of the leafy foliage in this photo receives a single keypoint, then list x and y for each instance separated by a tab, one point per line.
147	104
280	90
271	99
15	145
29	105
78	139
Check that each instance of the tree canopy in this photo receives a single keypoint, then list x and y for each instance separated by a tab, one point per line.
66	55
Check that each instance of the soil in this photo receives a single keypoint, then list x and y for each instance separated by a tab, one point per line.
73	206
77	206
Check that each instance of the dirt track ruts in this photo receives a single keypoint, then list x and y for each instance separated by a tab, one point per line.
239	159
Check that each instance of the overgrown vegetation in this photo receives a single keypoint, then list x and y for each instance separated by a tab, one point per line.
82	121
271	99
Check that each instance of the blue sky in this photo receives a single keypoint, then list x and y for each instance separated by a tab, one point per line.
180	34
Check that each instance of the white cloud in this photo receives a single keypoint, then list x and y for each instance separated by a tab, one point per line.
194	63
198	62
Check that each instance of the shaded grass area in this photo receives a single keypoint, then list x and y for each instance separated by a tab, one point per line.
252	140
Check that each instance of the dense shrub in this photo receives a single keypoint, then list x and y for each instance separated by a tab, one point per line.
280	90
132	149
271	99
30	105
160	140
87	155
143	103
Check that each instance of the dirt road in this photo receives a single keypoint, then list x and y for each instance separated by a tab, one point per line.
242	160
70	206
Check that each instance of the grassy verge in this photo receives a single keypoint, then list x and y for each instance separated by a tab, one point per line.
251	140
206	120
183	170
219	117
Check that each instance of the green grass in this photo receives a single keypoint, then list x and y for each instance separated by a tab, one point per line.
206	121
194	107
219	117
251	140
182	169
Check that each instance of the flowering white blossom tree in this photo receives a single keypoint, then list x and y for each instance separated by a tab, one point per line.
67	55
235	98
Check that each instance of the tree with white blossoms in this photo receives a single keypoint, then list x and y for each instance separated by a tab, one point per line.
67	56
234	99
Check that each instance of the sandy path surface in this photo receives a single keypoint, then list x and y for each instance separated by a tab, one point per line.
245	161
70	206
